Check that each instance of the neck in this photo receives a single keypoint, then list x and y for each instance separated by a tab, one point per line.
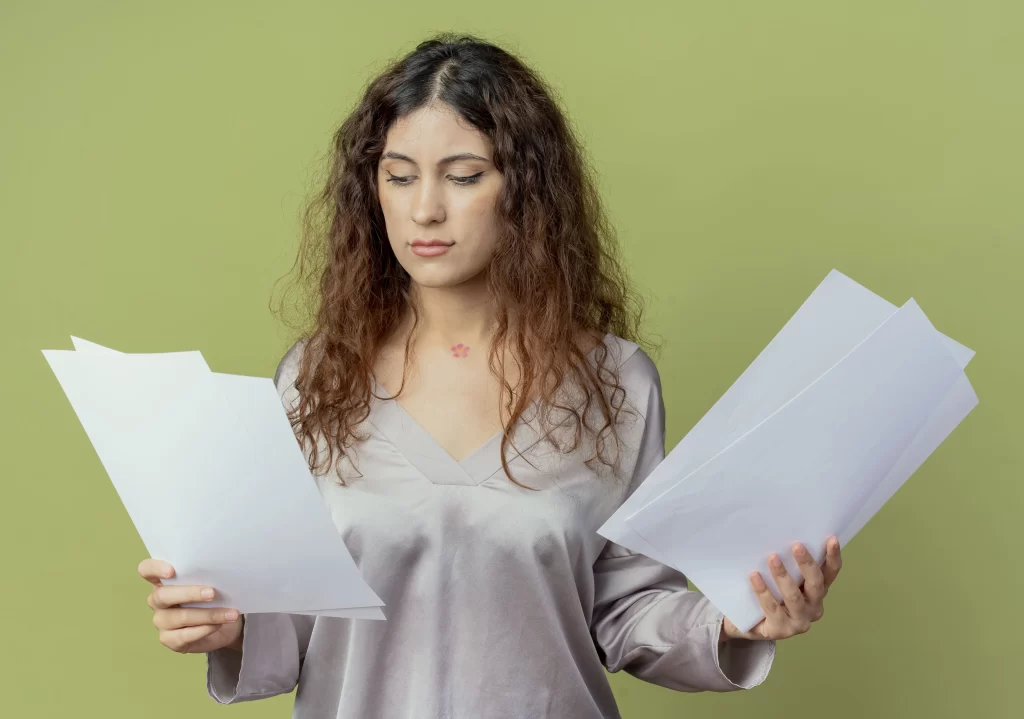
452	315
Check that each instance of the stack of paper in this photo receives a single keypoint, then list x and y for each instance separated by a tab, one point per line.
833	416
214	480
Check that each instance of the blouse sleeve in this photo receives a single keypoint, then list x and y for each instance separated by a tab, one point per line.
273	648
648	622
273	644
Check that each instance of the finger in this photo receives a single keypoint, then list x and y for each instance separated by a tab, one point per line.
181	639
193	617
793	598
166	596
833	561
153	570
764	595
814	579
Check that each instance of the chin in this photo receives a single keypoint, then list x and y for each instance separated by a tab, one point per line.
441	277
434	282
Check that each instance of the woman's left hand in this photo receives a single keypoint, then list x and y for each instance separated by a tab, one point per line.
801	606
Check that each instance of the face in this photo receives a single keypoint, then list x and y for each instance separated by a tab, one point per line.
436	181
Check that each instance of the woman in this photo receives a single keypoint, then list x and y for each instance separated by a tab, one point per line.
473	409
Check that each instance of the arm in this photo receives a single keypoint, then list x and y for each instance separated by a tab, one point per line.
647	621
266	664
267	657
237	644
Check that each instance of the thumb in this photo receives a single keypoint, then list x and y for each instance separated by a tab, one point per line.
758	631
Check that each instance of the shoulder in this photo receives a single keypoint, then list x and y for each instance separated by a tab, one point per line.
634	364
638	373
288	368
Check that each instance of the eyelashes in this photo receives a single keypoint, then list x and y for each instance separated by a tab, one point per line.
460	181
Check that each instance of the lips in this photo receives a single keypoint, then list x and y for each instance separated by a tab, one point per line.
424	249
431	243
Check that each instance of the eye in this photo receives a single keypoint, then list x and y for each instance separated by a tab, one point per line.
397	180
470	180
461	181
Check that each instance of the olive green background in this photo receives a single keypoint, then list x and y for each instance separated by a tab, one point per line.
154	159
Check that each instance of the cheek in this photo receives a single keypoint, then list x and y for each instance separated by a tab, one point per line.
391	210
385	200
480	211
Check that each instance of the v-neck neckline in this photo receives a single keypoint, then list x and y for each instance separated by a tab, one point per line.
420	448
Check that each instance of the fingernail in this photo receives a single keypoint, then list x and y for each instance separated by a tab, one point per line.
800	551
231	616
775	561
207	593
759	584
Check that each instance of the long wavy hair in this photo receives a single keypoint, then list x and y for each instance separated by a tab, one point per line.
555	274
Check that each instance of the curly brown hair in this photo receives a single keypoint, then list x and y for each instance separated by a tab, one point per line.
555	273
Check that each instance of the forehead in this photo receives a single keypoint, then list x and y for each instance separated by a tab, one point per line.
434	131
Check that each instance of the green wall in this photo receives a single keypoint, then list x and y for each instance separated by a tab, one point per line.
155	155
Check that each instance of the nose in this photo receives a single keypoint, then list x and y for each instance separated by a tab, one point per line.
428	202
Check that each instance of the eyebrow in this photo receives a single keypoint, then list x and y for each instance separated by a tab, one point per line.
442	161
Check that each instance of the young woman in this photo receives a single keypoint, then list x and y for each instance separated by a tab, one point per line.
473	406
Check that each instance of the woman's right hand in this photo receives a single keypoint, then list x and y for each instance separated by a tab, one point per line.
189	630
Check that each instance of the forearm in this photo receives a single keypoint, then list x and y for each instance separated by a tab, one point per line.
237	644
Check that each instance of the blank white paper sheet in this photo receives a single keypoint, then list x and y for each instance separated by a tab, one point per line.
211	474
831	418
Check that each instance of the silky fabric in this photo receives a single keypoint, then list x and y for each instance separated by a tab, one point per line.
500	601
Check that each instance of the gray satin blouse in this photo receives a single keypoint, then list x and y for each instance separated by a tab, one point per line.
500	601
